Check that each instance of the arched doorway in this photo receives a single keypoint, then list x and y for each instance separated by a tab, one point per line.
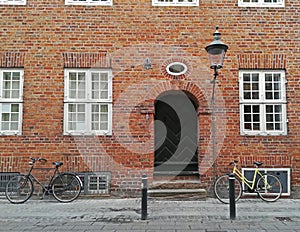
176	134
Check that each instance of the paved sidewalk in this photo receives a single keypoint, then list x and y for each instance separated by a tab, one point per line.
163	215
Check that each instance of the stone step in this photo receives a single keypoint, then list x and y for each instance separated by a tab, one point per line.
178	193
176	184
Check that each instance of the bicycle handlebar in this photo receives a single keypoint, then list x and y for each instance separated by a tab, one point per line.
234	162
33	160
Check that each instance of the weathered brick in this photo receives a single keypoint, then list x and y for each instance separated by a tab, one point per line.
46	36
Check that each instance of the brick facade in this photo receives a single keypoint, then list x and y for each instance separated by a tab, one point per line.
44	37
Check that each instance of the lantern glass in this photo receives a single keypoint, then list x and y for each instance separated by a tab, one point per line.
216	55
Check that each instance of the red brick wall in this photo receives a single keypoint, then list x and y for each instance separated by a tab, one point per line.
42	36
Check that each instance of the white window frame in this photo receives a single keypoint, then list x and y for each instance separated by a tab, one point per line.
175	3
87	101
261	3
12	2
262	103
7	102
89	2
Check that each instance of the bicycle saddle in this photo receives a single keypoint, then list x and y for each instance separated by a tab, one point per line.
258	163
57	164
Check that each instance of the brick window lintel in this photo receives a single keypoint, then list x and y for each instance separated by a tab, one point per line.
86	60
12	59
261	61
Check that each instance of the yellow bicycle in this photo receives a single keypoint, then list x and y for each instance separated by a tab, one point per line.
267	186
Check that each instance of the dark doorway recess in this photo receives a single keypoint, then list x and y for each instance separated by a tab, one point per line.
176	134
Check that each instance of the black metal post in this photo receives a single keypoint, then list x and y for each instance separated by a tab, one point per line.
144	196
232	196
213	129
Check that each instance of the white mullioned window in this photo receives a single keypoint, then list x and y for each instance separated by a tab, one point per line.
262	102
13	2
175	2
261	3
11	101
88	102
89	2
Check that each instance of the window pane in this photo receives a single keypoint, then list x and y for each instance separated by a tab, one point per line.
5	117
246	77
15	108
95	86
104	108
247	86
255	77
247	109
255	108
103	126
274	117
10	117
255	95
76	117
256	126
247	117
269	109
104	117
255	86
5	126
251	117
251	86
278	108
77	85
256	118
278	126
14	126
11	85
269	118
100	85
99	117
272	86
16	76
247	95
270	126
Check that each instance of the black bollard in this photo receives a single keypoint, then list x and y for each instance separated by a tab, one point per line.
144	196
232	196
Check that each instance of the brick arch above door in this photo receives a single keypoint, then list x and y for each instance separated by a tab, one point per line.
196	92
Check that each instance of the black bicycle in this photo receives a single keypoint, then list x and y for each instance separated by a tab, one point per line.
65	187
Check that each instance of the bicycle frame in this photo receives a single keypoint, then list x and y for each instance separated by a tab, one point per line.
46	188
243	179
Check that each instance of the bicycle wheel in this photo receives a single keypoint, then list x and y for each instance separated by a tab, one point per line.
66	187
19	189
269	187
221	189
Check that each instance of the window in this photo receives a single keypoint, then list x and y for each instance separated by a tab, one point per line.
176	69
89	2
175	2
261	3
11	101
88	102
263	103
95	182
13	2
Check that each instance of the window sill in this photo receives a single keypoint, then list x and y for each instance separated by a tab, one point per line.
86	133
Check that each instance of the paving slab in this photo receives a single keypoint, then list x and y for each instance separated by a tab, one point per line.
120	215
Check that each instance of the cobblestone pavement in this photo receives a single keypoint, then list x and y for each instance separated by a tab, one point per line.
163	215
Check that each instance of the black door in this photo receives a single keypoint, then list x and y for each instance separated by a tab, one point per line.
176	135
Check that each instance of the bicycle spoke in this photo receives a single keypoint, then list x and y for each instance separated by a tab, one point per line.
66	187
19	189
221	189
269	188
